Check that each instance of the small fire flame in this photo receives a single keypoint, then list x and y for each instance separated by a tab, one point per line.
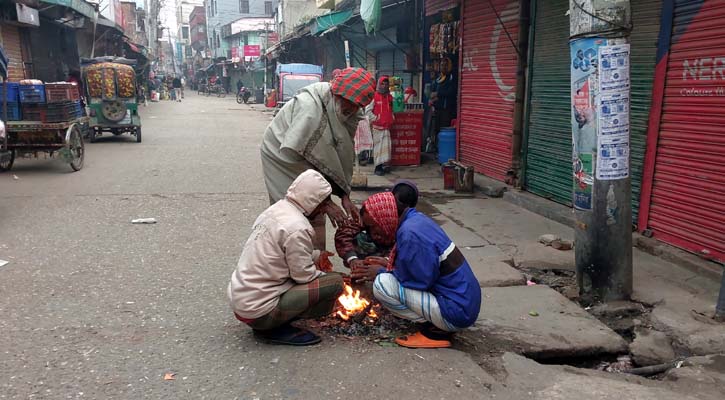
353	303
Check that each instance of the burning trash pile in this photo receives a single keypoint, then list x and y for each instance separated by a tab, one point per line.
358	315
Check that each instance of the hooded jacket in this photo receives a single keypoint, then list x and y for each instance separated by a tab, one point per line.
279	253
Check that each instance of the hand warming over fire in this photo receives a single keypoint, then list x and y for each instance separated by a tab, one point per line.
364	273
323	263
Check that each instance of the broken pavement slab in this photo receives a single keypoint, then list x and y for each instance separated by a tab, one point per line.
527	379
704	375
651	347
562	329
490	269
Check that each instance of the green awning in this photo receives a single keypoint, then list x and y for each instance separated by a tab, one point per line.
79	6
326	22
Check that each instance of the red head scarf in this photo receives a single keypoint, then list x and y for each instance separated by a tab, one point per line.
384	211
354	84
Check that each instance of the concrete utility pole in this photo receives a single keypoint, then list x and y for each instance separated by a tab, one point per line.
600	94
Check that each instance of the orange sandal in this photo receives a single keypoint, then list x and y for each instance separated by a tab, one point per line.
419	341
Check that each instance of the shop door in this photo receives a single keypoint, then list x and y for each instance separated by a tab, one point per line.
12	46
684	203
488	85
548	161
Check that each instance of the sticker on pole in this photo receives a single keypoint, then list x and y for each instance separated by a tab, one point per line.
613	158
614	67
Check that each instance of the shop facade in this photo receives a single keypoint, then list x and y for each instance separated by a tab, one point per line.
547	147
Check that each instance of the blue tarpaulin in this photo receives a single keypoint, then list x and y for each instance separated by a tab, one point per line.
299	69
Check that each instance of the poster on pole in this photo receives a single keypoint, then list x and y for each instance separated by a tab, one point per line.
614	114
584	98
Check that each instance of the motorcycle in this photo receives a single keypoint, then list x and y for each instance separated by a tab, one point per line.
243	95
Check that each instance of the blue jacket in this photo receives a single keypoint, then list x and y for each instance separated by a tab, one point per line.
420	244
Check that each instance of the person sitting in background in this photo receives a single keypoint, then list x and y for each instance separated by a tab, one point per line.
277	278
427	279
357	242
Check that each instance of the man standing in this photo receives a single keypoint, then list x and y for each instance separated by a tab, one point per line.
176	83
382	119
276	278
315	130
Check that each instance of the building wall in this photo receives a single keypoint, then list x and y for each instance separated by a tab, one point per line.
295	12
197	28
222	12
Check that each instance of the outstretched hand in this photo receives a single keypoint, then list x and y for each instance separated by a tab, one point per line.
350	208
336	214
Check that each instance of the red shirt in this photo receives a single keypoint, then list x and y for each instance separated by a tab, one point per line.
383	110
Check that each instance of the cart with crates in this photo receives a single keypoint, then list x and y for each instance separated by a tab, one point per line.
42	119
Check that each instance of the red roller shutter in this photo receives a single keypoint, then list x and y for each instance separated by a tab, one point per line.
488	85
13	50
434	6
687	191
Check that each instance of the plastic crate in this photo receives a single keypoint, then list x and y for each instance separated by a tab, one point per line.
32	94
35	112
14	113
61	92
62	112
12	92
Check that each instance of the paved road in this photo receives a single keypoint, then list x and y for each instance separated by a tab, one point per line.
94	307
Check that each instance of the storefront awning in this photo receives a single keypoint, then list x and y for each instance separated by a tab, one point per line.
326	22
79	6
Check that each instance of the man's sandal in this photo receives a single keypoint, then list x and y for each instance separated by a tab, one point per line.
419	341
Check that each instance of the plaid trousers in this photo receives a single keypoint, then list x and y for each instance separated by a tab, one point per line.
314	299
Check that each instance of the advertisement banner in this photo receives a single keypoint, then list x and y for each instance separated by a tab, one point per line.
252	50
585	96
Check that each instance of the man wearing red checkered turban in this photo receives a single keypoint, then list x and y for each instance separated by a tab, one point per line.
315	130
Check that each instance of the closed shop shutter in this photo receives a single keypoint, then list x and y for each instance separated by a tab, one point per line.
488	85
687	202
392	63
386	62
548	156
548	162
13	50
646	16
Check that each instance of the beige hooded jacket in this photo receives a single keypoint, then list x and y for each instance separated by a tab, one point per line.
279	252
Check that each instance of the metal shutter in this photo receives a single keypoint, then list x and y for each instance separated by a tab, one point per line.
646	15
488	86
687	206
548	160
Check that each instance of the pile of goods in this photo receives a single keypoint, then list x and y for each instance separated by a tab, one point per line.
32	100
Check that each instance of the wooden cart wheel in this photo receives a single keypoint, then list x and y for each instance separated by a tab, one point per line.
74	141
8	164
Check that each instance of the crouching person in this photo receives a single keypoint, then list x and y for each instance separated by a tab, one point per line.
276	280
427	280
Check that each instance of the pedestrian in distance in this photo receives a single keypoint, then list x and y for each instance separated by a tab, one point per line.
426	280
176	83
381	120
315	130
277	278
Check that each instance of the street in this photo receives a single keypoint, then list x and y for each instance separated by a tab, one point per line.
92	306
